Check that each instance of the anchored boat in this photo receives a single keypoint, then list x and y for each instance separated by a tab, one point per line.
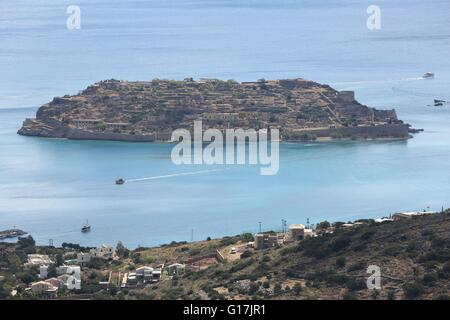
86	227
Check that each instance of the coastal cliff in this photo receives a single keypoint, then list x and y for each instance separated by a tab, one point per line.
148	111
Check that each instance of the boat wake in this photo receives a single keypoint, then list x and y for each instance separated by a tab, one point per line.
359	82
174	175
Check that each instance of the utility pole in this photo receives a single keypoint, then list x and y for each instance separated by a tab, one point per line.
192	235
50	242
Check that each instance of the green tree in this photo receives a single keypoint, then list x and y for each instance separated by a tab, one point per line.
323	225
122	251
14	264
27	277
59	259
5	290
26	244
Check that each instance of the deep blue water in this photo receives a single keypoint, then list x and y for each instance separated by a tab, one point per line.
49	187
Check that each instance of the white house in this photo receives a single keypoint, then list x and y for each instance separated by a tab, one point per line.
71	282
70	276
142	271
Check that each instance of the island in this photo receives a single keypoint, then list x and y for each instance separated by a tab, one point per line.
148	111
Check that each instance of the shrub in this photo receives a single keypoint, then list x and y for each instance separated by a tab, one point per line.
253	288
356	284
444	273
241	265
367	235
427	232
392	250
340	262
194	252
297	288
246	237
277	289
390	295
246	254
97	263
360	265
429	279
172	293
349	296
413	290
340	243
226	241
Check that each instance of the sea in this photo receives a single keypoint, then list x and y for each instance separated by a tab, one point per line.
50	187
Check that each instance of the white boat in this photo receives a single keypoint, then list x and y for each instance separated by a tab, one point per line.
86	227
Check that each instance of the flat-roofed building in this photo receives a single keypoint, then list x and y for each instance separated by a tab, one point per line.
268	240
296	232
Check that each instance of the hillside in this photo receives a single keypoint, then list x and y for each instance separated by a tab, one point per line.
413	255
150	111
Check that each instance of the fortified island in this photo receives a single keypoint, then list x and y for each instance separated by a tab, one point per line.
149	111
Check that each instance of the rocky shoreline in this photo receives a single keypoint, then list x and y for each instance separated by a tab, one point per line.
11	233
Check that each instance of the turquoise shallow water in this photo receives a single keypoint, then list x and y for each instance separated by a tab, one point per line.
49	187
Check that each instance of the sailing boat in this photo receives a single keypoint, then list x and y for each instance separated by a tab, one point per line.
86	227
